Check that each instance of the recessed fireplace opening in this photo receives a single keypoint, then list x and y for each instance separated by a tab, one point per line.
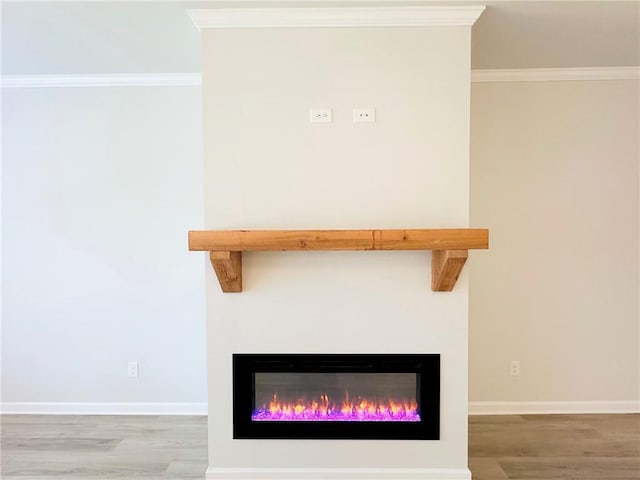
391	397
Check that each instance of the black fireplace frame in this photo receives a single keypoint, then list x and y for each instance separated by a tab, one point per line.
426	366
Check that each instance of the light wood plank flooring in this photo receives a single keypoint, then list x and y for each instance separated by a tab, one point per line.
522	447
555	447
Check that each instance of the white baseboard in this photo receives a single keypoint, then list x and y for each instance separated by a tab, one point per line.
338	474
475	408
523	408
86	408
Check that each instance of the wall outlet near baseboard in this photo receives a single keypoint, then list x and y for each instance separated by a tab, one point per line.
132	370
514	368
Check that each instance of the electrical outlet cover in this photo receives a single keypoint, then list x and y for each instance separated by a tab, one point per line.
132	369
364	115
320	115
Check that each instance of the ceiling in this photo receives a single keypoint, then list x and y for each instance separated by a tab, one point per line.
85	37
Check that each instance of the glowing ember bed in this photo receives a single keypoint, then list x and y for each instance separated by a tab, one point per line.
336	396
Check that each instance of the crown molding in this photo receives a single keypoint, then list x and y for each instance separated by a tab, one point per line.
103	80
194	79
412	16
555	74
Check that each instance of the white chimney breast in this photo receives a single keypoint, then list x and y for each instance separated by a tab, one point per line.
267	167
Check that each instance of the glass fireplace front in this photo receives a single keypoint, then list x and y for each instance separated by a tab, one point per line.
336	396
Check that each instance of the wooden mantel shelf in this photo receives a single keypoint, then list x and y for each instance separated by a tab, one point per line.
449	247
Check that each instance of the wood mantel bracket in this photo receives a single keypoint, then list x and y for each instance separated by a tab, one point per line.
446	266
228	268
449	248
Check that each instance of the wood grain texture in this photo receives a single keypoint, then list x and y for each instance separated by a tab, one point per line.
506	447
97	447
228	268
280	240
555	447
446	266
449	247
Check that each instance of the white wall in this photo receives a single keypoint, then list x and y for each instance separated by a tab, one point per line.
267	167
554	176
65	38
71	321
99	188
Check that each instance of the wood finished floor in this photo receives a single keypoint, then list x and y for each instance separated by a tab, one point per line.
515	447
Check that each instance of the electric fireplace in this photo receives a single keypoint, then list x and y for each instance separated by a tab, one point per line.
336	396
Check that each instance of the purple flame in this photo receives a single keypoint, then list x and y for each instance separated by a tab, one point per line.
264	415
